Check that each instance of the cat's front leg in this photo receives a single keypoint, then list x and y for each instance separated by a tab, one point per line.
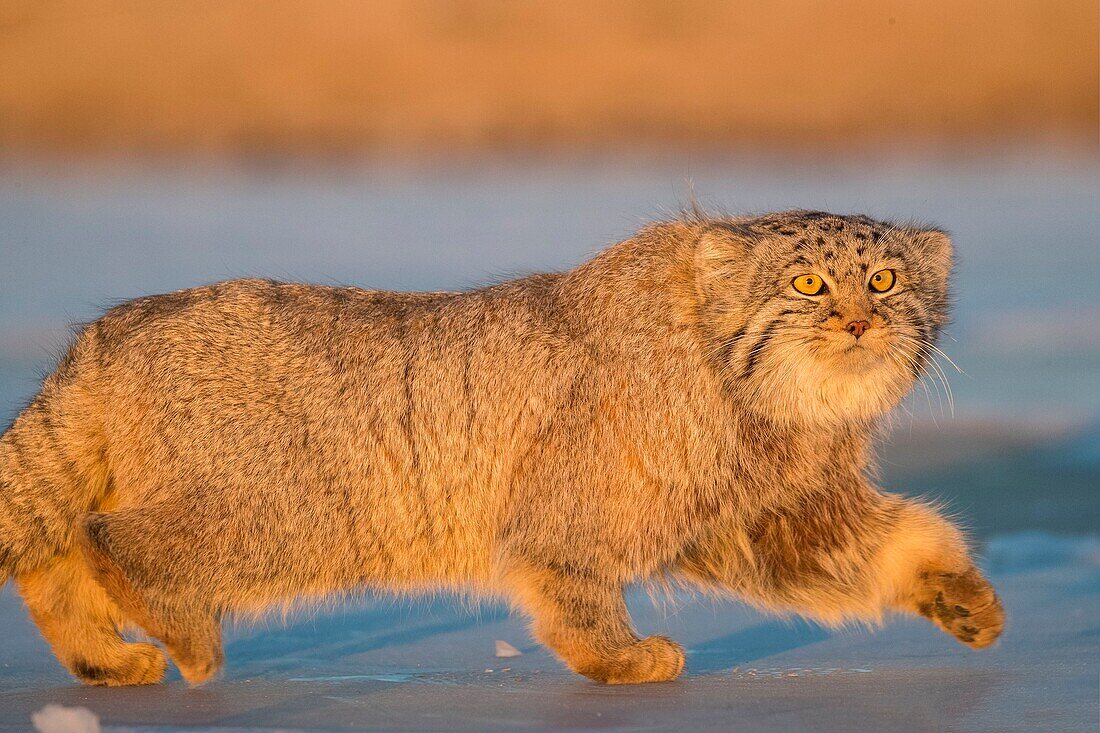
852	554
936	577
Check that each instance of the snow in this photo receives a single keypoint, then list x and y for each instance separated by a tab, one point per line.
504	649
60	719
387	665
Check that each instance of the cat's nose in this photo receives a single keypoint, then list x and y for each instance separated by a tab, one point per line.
856	328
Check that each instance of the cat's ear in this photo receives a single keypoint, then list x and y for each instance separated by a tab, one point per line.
722	256
935	248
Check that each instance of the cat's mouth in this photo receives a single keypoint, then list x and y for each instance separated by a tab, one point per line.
861	352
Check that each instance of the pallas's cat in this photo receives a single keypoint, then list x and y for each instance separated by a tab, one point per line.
694	404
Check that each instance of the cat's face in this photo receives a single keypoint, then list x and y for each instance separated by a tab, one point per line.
823	318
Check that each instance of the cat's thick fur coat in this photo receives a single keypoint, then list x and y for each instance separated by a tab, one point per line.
670	410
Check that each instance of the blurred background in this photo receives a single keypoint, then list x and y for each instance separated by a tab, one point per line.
426	144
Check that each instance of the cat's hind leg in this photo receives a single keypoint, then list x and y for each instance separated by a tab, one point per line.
583	618
187	624
81	624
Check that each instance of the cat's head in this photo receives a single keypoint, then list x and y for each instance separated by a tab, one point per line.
814	317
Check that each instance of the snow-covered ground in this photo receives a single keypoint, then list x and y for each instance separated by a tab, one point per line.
386	665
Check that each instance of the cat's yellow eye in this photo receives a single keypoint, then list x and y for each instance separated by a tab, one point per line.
882	281
809	284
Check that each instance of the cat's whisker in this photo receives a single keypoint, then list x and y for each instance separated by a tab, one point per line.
925	343
941	377
921	374
946	385
928	352
927	368
950	361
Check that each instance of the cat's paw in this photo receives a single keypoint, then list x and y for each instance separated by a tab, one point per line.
133	664
199	655
964	605
653	659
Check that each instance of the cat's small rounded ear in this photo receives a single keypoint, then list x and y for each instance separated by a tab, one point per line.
934	246
719	246
721	259
723	271
934	258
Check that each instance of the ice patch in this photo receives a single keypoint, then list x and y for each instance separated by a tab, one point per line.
778	672
390	677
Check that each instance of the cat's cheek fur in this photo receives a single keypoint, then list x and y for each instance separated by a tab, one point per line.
796	386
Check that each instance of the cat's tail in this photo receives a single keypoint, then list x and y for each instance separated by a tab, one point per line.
50	476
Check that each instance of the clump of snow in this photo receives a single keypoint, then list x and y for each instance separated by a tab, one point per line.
59	719
504	649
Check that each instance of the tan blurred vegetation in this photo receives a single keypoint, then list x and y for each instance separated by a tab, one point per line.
341	76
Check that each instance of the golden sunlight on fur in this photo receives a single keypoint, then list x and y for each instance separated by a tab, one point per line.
673	410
